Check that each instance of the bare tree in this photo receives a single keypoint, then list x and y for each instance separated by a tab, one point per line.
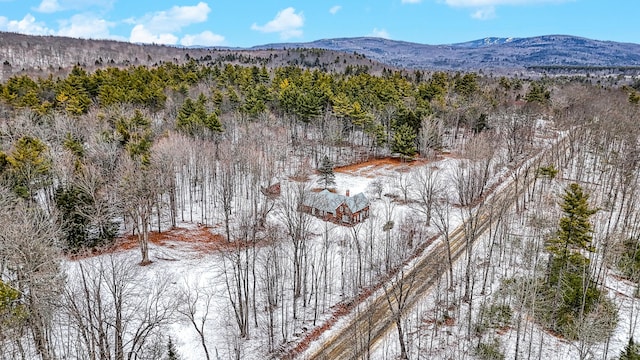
236	270
471	179
114	310
427	188
376	187
272	271
297	225
195	303
397	292
226	190
138	189
402	182
102	208
517	134
431	134
29	262
442	211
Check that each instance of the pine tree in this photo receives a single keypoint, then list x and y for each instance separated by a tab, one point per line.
480	124
184	120
569	281
70	202
631	351
538	94
172	352
327	177
575	230
212	124
404	142
12	311
30	166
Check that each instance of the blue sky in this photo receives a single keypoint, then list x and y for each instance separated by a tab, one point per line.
247	23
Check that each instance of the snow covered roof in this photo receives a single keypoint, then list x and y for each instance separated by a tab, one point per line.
357	202
329	202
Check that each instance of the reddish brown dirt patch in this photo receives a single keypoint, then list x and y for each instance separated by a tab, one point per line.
317	190
200	240
299	178
379	163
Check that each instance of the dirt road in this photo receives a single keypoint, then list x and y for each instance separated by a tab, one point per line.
375	317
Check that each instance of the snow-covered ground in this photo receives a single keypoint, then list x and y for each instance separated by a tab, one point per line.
442	325
186	269
339	261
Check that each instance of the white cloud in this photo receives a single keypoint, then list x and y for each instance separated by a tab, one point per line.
159	27
175	18
48	6
334	9
486	9
287	23
411	1
28	25
51	6
85	26
78	26
381	33
488	3
484	13
205	38
140	34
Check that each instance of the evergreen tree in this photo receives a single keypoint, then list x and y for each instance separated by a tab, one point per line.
574	233
327	177
480	124
570	286
631	351
81	229
70	201
309	105
254	104
185	118
404	142
172	352
212	124
466	85
538	94
29	166
12	310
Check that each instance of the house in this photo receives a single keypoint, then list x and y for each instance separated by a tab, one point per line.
336	208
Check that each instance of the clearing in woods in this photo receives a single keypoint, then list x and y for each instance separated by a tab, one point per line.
201	239
370	166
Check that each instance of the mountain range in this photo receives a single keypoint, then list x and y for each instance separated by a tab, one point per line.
493	54
561	53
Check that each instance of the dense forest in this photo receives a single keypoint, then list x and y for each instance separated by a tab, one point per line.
96	155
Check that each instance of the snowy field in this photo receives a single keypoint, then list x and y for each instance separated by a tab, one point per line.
188	269
199	280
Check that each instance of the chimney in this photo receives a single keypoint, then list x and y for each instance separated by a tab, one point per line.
347	193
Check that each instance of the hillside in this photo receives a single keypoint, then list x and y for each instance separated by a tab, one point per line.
51	54
43	55
494	54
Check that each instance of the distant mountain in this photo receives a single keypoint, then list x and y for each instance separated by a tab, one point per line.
488	54
44	55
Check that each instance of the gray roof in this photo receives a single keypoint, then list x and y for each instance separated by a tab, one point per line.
357	202
329	202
